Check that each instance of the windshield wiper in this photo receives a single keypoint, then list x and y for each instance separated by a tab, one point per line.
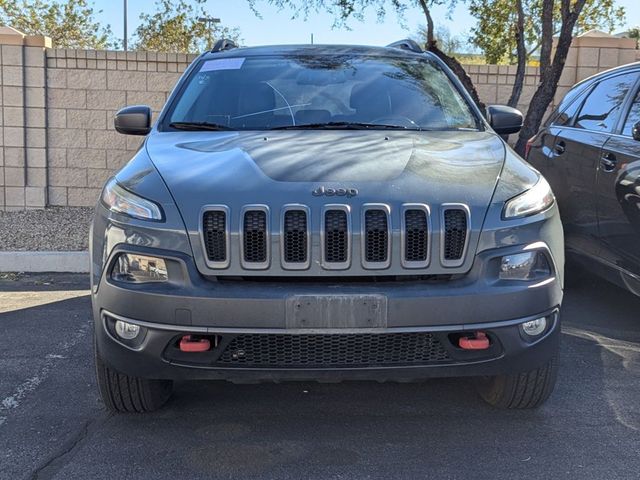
344	126
198	126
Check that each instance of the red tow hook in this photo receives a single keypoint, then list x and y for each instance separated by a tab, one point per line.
479	341
189	344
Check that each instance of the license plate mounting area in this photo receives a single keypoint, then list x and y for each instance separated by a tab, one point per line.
336	311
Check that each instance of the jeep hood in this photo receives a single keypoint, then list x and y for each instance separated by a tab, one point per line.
281	167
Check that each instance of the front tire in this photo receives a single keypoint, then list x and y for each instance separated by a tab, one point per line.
524	390
125	394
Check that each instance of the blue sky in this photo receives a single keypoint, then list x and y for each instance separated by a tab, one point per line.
278	28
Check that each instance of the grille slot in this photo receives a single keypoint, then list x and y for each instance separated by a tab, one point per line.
416	239
376	237
455	235
333	350
254	236
295	237
336	236
214	227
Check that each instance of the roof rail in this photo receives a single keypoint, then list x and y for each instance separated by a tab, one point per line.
407	44
223	44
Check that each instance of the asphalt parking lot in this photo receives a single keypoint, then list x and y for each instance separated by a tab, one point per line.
53	426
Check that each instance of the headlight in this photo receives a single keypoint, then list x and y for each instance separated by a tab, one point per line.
535	200
524	266
117	199
134	268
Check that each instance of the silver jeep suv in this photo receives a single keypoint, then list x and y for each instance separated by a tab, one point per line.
320	213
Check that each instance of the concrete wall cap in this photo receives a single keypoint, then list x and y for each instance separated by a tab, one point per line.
595	33
5	30
38	41
608	41
11	36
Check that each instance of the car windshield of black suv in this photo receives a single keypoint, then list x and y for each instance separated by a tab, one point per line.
319	92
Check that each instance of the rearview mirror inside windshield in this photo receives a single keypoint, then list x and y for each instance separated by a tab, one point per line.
320	77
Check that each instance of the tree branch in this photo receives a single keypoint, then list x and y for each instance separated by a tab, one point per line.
546	41
522	57
427	14
549	81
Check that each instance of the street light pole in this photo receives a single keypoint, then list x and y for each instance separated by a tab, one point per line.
124	43
209	21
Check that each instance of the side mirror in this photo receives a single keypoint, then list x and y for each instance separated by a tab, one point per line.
635	131
504	120
134	120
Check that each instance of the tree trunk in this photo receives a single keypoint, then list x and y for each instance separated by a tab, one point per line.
427	14
522	58
549	82
547	36
451	62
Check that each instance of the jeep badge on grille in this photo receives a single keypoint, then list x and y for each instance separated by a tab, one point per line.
337	192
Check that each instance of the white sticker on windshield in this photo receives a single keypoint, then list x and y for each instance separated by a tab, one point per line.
222	64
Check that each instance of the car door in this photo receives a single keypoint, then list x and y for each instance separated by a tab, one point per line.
543	151
578	148
618	190
563	169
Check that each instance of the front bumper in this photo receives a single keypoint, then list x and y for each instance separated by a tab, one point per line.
158	357
192	304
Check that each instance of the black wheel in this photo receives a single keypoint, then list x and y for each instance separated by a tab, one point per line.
124	394
520	390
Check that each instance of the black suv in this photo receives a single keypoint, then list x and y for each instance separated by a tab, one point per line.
589	151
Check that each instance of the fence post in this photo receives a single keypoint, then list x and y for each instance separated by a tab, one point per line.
23	156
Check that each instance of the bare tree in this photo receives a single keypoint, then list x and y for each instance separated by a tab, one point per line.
522	57
547	35
550	76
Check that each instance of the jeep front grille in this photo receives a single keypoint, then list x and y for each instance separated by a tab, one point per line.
416	235
214	227
336	237
377	237
254	237
263	350
295	237
375	244
455	236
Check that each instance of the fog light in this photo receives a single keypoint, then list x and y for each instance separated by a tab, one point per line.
134	268
524	266
533	328
127	331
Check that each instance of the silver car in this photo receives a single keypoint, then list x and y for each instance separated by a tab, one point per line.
323	213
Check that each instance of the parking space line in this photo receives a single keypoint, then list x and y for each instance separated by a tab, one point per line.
29	385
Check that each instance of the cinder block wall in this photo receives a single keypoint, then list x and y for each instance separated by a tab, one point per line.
56	127
23	156
84	90
495	82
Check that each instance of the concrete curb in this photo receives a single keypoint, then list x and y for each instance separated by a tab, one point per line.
40	262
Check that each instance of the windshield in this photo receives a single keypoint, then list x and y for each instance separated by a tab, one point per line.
323	91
